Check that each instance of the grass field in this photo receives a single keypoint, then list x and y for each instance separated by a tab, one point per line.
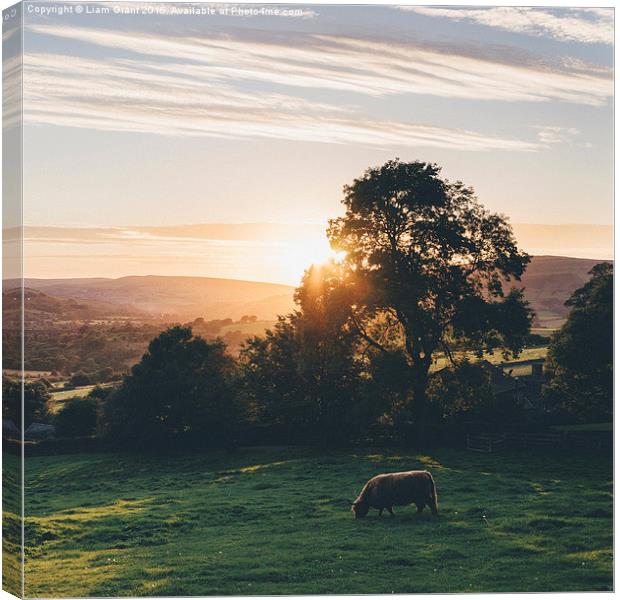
59	398
496	358
277	521
544	331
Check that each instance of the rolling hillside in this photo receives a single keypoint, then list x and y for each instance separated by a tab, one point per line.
548	282
40	306
175	297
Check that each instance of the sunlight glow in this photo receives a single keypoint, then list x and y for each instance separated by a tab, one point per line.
304	254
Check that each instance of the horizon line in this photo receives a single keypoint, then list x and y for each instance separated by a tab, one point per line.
276	283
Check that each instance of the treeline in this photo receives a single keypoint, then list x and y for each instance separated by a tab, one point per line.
309	380
70	347
90	348
428	274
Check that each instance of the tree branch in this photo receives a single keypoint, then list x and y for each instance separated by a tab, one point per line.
446	349
367	337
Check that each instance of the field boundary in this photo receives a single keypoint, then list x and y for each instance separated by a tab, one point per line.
496	442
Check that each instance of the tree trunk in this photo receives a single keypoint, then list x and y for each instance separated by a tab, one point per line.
420	403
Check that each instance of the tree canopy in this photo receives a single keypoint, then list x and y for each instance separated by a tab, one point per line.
428	267
181	388
306	374
36	396
581	353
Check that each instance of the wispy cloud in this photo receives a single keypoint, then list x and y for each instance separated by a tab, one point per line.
213	85
362	66
585	25
12	91
556	135
243	251
173	98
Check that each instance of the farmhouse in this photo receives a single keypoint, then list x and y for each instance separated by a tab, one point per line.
516	383
528	379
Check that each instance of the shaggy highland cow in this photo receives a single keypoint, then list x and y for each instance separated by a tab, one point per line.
396	489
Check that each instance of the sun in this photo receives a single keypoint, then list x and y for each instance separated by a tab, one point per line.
299	256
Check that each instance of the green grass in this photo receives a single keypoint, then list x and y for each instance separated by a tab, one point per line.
11	524
277	521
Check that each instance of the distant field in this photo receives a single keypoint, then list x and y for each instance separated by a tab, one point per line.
497	358
277	521
527	354
544	331
59	398
250	329
549	320
78	392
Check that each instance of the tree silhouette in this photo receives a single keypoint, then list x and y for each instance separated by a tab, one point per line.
35	398
305	375
427	266
581	352
182	388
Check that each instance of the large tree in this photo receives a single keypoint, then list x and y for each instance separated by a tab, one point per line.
182	388
581	353
428	267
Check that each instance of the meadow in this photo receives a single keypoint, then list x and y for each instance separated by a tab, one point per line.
277	521
59	398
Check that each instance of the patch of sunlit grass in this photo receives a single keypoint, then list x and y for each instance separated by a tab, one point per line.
277	521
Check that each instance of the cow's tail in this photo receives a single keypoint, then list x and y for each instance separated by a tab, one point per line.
434	502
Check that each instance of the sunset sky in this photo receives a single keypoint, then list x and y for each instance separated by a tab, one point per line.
136	121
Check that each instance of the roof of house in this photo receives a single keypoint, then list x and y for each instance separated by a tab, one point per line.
39	430
8	425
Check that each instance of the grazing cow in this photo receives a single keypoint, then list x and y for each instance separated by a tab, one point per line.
396	489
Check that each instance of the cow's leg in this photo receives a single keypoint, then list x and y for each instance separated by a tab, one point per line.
420	507
390	510
380	511
432	506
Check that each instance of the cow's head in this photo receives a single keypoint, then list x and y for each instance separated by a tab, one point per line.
359	509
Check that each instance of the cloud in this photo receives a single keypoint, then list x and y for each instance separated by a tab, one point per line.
556	135
367	67
172	98
585	25
216	85
12	91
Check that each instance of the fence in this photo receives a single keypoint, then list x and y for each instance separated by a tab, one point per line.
597	440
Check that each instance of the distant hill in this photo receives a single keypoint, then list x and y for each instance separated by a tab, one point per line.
174	297
41	306
548	282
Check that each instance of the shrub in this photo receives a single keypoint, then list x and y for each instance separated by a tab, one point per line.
78	417
80	378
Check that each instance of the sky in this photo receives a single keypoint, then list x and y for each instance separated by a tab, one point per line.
141	115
